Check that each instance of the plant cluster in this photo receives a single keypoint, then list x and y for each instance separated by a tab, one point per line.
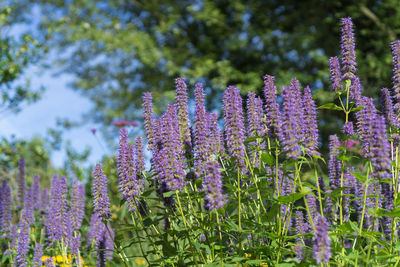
254	193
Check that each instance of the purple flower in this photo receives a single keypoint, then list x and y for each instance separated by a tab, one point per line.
372	132
37	256
334	164
49	262
234	124
301	229
312	205
27	210
396	75
335	74
182	110
310	126
348	128
148	119
170	157
5	208
21	181
273	115
23	243
129	184
255	115
139	160
95	229
75	244
36	192
355	89
322	242
215	199
216	140
202	130
348	49
77	209
387	108
101	202
292	120
44	198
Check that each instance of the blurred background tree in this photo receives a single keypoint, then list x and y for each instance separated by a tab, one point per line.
116	50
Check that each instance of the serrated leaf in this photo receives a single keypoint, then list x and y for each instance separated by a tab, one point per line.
331	106
268	159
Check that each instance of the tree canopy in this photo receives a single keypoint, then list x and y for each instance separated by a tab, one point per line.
119	49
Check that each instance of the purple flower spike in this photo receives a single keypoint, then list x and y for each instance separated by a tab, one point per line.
95	229
5	207
37	256
23	243
234	124
36	192
50	262
334	163
139	161
292	120
148	119
21	181
387	108
322	242
310	126
273	114
27	210
355	89
348	128
255	115
216	136
202	129
182	110
44	198
348	49
170	157
396	75
301	229
335	73
213	184
77	209
101	202
75	244
312	205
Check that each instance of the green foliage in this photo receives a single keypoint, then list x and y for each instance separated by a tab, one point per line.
118	49
16	55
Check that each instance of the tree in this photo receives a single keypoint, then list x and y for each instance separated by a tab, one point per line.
17	53
119	49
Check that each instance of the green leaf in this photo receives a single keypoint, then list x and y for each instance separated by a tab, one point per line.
331	106
268	159
290	198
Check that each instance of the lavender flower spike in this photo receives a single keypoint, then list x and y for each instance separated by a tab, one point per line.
387	107
148	119
348	49
322	242
348	128
335	74
310	126
101	202
77	209
396	74
273	115
36	191
23	243
139	160
234	124
202	129
334	163
292	120
301	229
182	110
5	208
21	181
213	184
37	256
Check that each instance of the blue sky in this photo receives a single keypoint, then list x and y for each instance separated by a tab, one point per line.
58	101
